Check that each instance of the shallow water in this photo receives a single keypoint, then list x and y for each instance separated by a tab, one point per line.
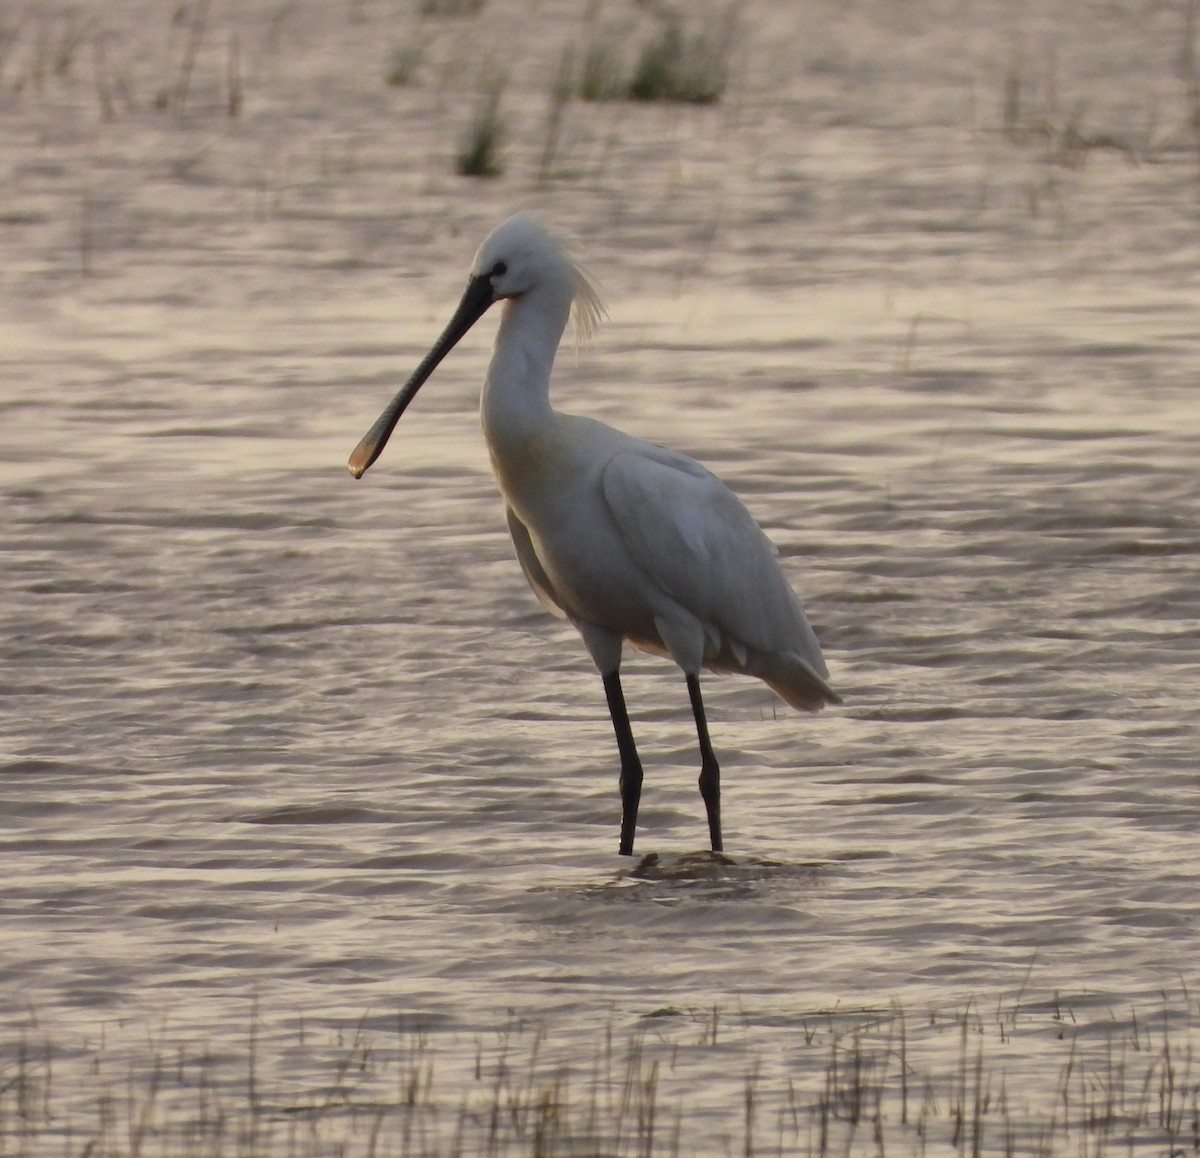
274	737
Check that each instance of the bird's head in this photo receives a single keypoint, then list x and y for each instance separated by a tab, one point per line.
522	255
518	257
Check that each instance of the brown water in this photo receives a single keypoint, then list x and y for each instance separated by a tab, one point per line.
274	737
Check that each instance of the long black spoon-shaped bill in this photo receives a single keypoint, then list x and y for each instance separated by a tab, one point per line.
474	304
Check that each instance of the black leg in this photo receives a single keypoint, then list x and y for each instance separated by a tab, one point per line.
710	771
631	766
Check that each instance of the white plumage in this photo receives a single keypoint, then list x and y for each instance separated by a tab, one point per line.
627	540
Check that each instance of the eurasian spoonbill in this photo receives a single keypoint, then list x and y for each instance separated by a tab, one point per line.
627	540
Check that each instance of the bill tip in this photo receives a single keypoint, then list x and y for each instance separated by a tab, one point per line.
359	461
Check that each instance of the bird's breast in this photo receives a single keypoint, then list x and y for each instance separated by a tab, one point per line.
552	477
592	575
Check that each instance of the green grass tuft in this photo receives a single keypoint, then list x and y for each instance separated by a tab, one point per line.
674	64
681	67
479	153
602	77
451	7
402	64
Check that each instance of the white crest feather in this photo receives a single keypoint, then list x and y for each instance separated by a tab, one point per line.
586	309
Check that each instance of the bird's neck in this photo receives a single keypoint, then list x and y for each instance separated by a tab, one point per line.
516	396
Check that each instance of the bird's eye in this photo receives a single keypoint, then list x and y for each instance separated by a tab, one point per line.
499	269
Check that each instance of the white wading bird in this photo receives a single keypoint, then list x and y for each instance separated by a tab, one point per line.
627	540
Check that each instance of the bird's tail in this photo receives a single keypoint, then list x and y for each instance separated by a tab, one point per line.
795	681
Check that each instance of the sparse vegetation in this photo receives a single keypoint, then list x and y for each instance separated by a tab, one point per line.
174	96
675	64
402	64
602	77
1015	1078
451	7
560	97
1189	64
1031	116
480	149
39	56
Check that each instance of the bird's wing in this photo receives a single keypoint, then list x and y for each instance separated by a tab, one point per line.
531	565
697	541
